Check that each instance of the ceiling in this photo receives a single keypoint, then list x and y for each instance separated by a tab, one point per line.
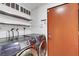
32	6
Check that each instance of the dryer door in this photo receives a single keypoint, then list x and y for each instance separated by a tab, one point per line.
28	52
42	48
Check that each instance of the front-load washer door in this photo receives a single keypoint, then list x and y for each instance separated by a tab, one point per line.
28	52
42	48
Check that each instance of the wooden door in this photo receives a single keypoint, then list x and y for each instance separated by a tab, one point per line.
63	30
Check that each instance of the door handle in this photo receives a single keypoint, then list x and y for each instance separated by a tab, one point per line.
49	35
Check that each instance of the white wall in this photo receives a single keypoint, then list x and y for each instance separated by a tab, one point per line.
39	14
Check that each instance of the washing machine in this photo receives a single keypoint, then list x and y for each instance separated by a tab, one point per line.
37	46
39	43
28	49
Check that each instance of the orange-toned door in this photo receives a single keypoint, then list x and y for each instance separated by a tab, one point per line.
63	30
